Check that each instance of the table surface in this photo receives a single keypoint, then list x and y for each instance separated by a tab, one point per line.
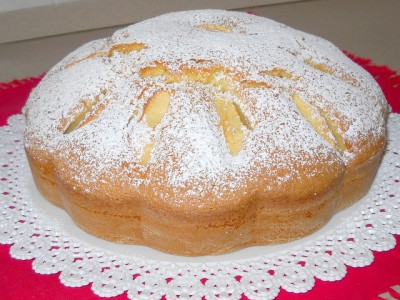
368	28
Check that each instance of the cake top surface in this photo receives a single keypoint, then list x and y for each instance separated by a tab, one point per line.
203	96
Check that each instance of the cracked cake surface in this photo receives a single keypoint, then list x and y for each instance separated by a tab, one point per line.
202	132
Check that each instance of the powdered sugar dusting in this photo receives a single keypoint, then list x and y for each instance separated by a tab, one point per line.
189	144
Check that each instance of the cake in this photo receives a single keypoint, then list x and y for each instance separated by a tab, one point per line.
204	132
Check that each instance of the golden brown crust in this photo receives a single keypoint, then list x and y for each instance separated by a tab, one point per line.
271	216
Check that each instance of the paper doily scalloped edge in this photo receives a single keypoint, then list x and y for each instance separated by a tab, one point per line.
34	235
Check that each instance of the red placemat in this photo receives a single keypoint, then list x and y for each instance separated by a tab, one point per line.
19	281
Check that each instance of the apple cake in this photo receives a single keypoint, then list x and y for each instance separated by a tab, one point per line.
204	132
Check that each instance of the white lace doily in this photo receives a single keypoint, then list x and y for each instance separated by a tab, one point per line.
258	272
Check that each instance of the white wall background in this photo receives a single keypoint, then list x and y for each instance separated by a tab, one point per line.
10	5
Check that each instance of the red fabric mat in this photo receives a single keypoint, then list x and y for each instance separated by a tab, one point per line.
19	281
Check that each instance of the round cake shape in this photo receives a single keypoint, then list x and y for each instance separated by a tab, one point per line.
203	132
